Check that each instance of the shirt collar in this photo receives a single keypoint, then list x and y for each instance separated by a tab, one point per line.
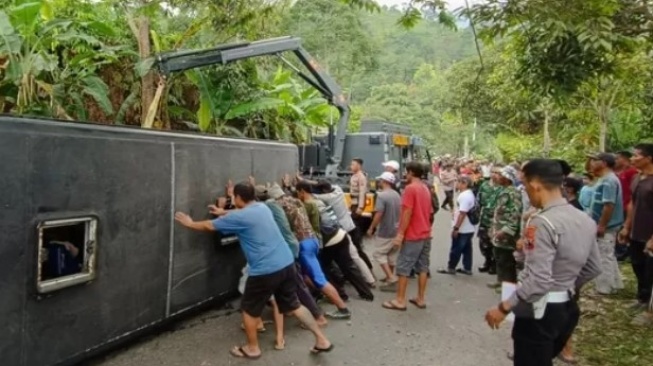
558	202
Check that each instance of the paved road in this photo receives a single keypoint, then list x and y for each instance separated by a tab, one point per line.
450	332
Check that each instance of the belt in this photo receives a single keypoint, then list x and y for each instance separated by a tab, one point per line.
558	297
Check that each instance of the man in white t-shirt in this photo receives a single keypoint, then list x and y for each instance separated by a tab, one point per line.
463	230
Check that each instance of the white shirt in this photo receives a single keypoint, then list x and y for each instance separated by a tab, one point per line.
466	202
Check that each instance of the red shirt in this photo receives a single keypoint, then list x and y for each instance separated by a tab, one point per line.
626	179
418	198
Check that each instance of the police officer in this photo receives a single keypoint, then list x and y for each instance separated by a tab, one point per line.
561	255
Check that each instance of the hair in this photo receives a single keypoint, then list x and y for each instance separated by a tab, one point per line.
466	179
323	186
574	184
245	191
646	149
547	171
624	154
304	186
566	168
415	168
358	160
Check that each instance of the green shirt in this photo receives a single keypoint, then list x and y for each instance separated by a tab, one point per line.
314	217
487	197
507	217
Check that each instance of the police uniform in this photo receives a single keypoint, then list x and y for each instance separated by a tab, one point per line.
561	255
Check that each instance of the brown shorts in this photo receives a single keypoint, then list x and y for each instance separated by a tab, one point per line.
258	290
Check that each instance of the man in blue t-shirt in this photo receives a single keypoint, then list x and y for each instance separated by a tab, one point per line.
606	209
271	266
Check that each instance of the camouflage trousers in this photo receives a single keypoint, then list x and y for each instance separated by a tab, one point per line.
485	244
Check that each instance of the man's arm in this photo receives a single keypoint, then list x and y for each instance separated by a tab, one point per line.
407	204
362	191
539	263
188	222
609	200
379	207
591	269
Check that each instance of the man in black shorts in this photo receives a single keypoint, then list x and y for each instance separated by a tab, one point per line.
271	266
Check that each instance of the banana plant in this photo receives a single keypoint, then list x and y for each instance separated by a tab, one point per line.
49	64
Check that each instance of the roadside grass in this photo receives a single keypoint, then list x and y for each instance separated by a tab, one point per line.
605	337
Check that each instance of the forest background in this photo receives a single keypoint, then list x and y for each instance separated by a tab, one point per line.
547	77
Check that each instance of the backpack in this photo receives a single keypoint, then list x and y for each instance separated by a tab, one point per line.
474	215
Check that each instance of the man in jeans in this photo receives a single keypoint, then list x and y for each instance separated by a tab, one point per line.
413	238
385	223
463	230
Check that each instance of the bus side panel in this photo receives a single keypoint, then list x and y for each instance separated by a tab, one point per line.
203	268
13	246
126	184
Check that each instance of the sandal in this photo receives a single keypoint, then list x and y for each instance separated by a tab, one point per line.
317	350
419	306
390	305
568	361
239	352
280	346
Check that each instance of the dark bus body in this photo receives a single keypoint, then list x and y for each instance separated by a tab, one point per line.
112	192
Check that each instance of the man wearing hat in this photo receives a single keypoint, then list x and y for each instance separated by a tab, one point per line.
506	225
606	209
392	166
387	210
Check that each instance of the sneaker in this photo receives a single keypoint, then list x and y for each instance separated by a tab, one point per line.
339	314
390	287
637	306
464	271
494	285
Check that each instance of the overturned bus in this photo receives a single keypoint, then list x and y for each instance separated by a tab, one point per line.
90	255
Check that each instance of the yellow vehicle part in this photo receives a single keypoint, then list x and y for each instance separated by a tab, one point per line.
369	203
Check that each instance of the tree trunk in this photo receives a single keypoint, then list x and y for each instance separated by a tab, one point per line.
603	132
148	81
546	148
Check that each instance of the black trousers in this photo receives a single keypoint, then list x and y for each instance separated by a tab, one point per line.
487	249
642	265
506	265
339	254
538	342
448	199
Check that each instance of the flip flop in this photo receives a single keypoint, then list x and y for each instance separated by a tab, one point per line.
280	347
391	306
242	354
317	350
414	302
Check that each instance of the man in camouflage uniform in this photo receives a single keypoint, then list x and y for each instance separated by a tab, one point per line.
487	195
506	225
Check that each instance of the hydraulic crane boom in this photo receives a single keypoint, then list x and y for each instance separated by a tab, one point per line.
172	62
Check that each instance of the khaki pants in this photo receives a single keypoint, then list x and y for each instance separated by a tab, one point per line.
384	251
609	281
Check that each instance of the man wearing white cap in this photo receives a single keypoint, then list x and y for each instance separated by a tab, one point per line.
392	166
385	222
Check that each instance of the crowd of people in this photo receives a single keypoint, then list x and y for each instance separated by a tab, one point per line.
537	224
